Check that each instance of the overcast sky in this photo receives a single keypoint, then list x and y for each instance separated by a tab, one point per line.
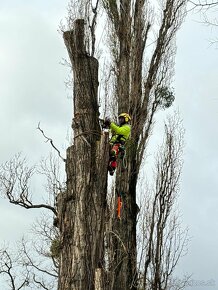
197	98
32	89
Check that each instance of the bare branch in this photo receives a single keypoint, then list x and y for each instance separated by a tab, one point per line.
15	176
39	283
204	4
48	139
9	268
92	27
29	261
50	168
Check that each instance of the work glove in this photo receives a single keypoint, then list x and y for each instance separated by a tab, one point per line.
107	122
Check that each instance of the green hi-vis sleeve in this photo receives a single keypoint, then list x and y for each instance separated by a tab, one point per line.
123	130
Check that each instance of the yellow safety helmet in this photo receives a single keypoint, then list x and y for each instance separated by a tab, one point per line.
126	117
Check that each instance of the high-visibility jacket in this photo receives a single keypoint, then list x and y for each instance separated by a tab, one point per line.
120	133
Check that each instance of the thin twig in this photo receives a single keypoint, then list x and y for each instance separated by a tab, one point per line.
51	142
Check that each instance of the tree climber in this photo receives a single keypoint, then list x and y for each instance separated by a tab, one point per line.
120	133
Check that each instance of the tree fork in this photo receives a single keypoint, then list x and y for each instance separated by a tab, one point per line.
81	209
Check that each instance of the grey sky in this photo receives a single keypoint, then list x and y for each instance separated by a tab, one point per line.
32	90
197	98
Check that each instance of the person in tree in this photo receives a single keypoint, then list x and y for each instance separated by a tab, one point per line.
120	133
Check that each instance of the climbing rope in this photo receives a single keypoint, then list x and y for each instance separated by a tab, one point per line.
123	157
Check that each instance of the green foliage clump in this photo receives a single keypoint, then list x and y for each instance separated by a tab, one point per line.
55	248
164	96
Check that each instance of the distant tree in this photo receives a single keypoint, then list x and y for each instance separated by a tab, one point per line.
163	240
30	264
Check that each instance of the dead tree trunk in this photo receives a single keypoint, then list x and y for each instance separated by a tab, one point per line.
81	209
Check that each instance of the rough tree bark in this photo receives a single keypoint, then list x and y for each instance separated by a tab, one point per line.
81	209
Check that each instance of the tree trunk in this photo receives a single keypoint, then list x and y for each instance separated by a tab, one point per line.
123	65
81	208
129	79
124	240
